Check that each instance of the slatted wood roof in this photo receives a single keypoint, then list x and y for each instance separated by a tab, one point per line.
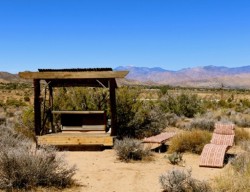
91	77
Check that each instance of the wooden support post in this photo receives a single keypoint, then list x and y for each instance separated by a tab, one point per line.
37	106
51	108
113	107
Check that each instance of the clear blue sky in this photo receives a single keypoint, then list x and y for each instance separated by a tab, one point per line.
171	34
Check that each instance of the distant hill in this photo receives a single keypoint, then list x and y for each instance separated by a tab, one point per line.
6	77
208	76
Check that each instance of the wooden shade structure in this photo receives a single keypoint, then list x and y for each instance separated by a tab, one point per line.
100	77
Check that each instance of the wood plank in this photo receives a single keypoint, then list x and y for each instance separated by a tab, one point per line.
84	128
37	106
63	139
78	112
73	75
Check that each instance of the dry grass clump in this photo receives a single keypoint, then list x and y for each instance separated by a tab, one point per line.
241	134
240	119
22	166
245	145
181	181
129	149
237	176
192	141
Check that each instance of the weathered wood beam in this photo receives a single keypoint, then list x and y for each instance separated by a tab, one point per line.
37	106
51	108
74	75
113	107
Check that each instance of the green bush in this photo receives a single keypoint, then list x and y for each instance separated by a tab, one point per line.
181	181
22	166
183	105
136	118
192	141
129	149
25	123
15	103
81	99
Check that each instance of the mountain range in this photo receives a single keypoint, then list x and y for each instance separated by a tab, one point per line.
207	76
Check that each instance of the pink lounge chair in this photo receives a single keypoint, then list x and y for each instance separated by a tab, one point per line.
161	138
213	154
158	141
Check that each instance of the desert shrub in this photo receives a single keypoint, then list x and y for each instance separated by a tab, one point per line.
192	141
181	181
242	105
242	120
241	163
131	149
236	177
126	100
175	158
148	120
22	166
203	123
2	120
81	99
185	104
26	98
241	135
225	104
171	119
25	123
2	104
15	103
245	145
136	118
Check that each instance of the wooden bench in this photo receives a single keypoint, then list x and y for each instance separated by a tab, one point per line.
82	120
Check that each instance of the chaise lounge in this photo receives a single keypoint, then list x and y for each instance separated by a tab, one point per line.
213	154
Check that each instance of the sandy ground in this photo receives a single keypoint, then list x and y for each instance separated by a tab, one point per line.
101	171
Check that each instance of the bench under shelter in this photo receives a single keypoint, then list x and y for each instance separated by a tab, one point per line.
77	127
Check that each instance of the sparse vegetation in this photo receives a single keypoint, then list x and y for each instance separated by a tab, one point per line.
175	158
241	135
129	149
181	181
203	123
190	109
191	141
22	166
138	118
185	104
236	177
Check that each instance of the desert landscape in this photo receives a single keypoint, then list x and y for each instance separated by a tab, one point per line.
102	171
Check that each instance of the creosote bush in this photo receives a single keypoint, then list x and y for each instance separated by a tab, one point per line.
136	118
129	149
185	104
181	181
22	166
192	141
